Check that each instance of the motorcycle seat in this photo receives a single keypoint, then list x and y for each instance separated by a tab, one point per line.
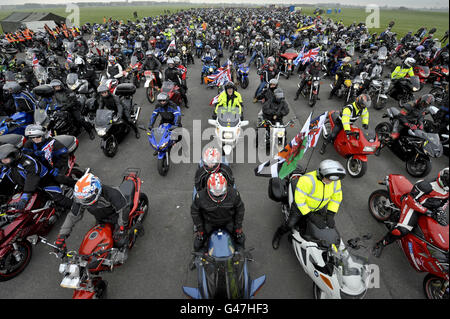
127	188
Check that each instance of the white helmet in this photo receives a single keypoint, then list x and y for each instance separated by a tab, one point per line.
409	62
331	169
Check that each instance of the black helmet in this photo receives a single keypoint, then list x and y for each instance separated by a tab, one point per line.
363	101
425	101
229	85
9	151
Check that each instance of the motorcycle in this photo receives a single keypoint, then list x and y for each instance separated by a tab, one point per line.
223	271
242	75
134	72
113	130
345	89
16	123
37	218
423	72
426	246
209	68
439	125
198	48
173	92
111	83
228	130
377	91
161	140
414	148
311	89
150	85
288	61
438	73
186	57
403	89
356	148
336	273
275	138
97	252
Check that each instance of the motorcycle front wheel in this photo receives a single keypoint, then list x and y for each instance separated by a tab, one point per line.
15	261
244	83
355	167
111	147
432	286
419	167
379	205
150	93
163	165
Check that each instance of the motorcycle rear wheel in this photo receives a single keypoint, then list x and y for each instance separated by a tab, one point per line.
16	267
378	201
355	167
431	286
111	147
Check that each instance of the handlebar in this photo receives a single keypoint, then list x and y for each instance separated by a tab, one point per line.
290	122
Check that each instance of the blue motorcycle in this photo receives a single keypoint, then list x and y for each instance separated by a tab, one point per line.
199	48
161	141
223	271
242	75
16	123
209	67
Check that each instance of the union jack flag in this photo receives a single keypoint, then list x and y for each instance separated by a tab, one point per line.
35	60
69	58
310	56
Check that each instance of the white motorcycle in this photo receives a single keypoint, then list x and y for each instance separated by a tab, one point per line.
335	272
276	139
228	129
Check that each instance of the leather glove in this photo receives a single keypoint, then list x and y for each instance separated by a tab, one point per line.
365	126
54	172
22	203
61	242
120	235
199	235
431	214
239	233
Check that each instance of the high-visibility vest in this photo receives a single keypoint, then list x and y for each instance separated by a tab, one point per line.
10	38
311	194
20	37
351	113
400	73
229	105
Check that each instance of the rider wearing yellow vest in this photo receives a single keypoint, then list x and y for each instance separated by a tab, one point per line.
406	69
229	100
318	195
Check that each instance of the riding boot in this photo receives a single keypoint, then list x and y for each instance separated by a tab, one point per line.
277	236
323	148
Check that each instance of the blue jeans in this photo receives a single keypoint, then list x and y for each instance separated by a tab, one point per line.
254	56
260	88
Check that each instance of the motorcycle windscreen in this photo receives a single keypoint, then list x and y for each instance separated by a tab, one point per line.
134	61
432	145
353	272
160	134
103	118
415	83
41	117
228	119
225	275
167	86
382	53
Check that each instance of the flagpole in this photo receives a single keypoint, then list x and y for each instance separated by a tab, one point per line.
309	160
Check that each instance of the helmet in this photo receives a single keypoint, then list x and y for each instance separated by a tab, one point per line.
170	61
102	88
87	190
425	101
331	169
229	85
211	159
278	94
363	101
177	60
409	62
217	187
241	48
149	52
273	82
56	82
442	179
420	48
347	59
9	151
162	97
35	130
79	61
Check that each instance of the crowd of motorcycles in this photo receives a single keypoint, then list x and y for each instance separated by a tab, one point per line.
81	59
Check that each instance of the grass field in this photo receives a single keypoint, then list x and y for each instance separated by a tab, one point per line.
405	20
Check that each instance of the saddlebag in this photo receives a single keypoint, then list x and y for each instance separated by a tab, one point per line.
278	189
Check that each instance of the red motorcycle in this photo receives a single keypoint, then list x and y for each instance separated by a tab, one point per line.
150	85
438	73
134	72
426	246
37	218
356	148
173	92
97	252
423	72
288	61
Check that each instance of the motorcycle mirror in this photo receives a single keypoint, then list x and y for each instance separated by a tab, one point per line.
244	123
212	122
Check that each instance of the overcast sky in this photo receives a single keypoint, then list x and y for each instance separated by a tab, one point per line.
406	3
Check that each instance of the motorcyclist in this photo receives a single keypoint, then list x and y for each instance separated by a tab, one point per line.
257	50
218	205
318	196
349	114
268	91
153	64
114	69
30	175
343	72
24	101
113	102
173	74
169	112
312	70
48	151
229	100
427	197
275	108
106	203
411	116
406	69
67	100
268	72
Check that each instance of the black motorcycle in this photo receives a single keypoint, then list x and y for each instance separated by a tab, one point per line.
416	148
439	125
403	89
113	130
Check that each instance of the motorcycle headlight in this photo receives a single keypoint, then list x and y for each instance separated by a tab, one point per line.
227	135
211	70
289	61
415	89
72	283
101	131
369	149
163	146
280	134
63	268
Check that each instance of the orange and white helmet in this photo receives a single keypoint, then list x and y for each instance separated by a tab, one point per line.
211	159
217	187
87	190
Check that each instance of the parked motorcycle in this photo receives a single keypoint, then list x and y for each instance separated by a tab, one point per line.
335	271
377	91
97	252
275	137
356	148
403	89
223	271
426	246
161	140
242	75
415	148
150	85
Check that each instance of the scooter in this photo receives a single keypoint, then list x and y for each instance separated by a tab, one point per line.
223	271
336	273
97	252
161	141
356	148
228	130
416	148
426	246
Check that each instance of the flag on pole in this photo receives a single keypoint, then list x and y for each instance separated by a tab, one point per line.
171	45
35	60
315	129
69	58
299	56
220	78
310	56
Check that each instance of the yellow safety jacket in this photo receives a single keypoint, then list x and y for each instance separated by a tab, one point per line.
311	194
351	113
400	73
229	104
